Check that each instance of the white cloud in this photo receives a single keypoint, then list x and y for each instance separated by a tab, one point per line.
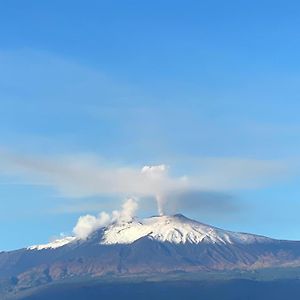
237	173
154	171
88	176
85	176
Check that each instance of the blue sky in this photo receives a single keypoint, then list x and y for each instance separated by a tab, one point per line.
138	83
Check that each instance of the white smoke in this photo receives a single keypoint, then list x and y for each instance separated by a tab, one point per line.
88	224
88	176
157	173
127	212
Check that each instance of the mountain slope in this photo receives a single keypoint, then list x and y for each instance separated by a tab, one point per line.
174	229
154	245
175	290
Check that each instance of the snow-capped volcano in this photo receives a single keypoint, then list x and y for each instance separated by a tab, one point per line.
173	229
176	229
159	244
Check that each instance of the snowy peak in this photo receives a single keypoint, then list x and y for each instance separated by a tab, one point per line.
176	229
173	229
54	244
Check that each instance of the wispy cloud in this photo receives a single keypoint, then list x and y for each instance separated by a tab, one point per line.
83	176
240	173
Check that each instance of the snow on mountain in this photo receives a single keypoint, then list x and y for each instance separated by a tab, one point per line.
156	245
54	244
174	229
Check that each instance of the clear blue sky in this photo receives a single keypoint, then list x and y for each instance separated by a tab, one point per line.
149	82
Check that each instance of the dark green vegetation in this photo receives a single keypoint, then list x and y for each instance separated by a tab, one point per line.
208	290
281	283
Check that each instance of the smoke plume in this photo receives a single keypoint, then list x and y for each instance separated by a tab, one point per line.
88	224
157	173
88	176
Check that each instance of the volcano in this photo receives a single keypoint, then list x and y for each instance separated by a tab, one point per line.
155	245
